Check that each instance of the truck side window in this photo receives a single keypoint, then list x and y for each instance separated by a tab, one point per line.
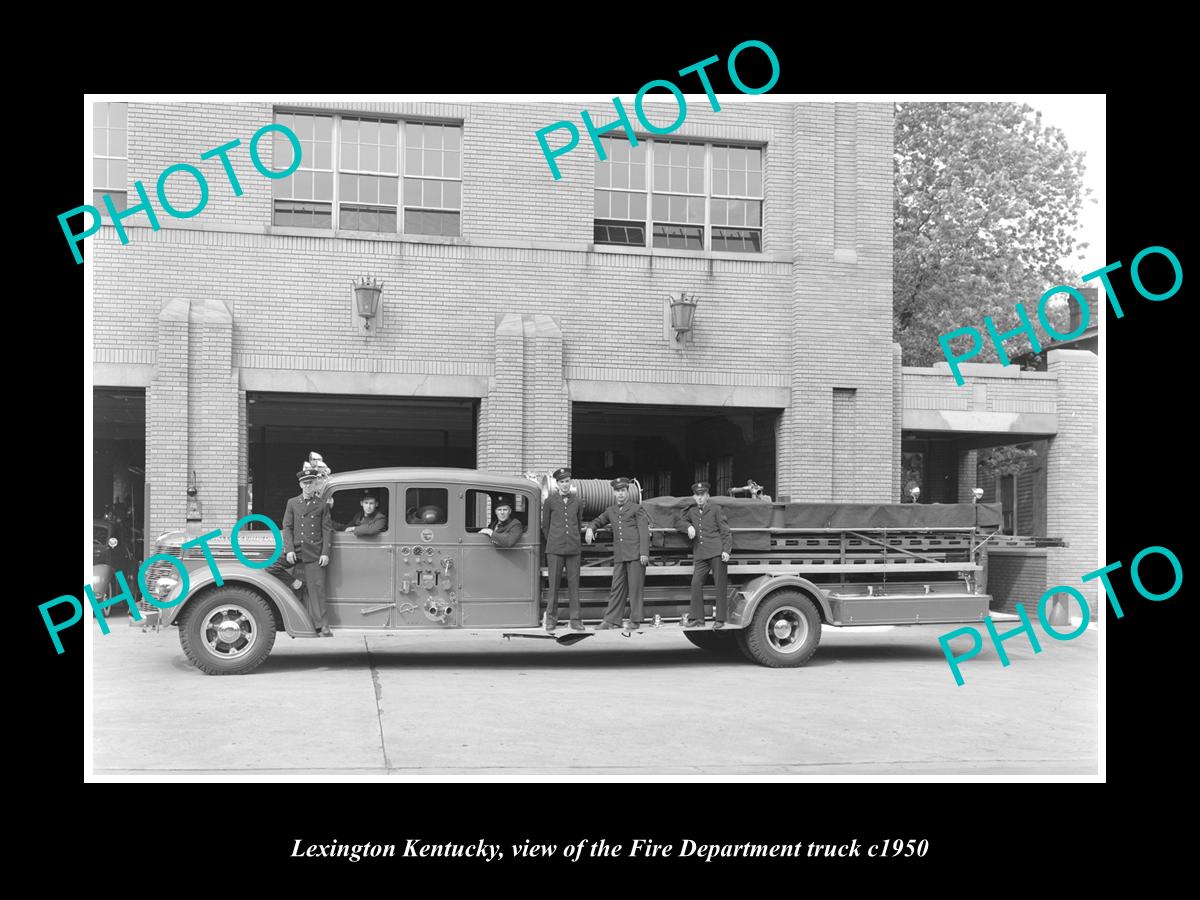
481	509
348	505
426	506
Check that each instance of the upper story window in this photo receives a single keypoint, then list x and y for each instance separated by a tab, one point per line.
365	155
686	196
108	154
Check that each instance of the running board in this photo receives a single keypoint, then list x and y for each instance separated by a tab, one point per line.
566	640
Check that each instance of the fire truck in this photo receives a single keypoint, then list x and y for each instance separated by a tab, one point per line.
794	568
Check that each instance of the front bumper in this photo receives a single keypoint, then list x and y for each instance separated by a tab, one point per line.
151	618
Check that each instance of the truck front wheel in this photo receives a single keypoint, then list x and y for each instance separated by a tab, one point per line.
784	632
228	631
720	642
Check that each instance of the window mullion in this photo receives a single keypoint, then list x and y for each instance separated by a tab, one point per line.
707	197
649	193
335	161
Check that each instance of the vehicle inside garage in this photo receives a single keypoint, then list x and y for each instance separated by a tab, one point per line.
119	457
351	432
667	448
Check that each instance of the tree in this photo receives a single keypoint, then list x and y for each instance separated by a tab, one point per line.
986	205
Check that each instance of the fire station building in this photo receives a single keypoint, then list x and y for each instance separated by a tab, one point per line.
713	304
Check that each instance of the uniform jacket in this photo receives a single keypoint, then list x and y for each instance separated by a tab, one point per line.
307	528
630	528
562	524
713	536
506	534
363	525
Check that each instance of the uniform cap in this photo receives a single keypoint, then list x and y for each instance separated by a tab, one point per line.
620	483
700	487
562	473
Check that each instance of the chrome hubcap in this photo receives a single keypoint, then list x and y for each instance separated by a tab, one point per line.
229	631
787	630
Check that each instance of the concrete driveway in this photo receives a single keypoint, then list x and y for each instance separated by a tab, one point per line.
468	704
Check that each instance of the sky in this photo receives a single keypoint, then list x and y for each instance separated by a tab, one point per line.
1082	119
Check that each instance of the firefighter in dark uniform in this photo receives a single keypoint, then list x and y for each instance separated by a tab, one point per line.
370	520
562	525
307	540
704	522
631	554
507	530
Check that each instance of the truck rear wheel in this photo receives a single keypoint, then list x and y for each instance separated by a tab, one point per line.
784	632
228	631
722	642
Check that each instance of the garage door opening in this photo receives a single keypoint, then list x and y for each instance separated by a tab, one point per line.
667	448
350	432
119	460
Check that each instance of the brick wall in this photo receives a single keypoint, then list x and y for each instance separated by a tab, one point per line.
812	314
1016	576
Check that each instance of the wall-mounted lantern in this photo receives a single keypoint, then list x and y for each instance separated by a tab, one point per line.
367	302
916	493
681	317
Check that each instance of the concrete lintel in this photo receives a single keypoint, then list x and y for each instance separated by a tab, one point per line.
978	370
122	374
587	391
980	421
175	310
392	384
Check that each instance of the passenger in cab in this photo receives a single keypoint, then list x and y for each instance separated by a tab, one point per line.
507	530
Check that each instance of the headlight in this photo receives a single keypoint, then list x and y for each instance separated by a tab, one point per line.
97	584
164	585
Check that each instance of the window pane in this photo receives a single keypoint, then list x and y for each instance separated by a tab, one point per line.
303	127
387	159
754	214
696	155
99	115
116	174
737	212
118	199
601	206
433	162
100	173
323	188
412	135
660	206
387	191
368	133
618	150
678	210
282	216
281	187
116	141
324	155
737	183
282	157
602	175
451	162
637	206
718	212
695	181
720	182
451	194
638	154
349	219
388	133
349	132
368	157
678	179
678	155
324	130
737	158
303	184
368	220
620	206
368	189
452	138
387	221
116	114
695	207
450	224
323	218
347	187
620	176
413	222
754	158
720	158
412	193
412	161
638	176
754	184
433	193
100	141
662	177
433	137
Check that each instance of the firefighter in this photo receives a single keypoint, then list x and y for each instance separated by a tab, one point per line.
507	530
704	523
562	525
370	520
631	554
307	540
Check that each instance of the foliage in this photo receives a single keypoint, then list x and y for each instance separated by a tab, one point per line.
987	201
1008	460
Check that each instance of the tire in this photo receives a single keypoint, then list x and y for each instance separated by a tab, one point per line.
720	642
227	631
784	632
